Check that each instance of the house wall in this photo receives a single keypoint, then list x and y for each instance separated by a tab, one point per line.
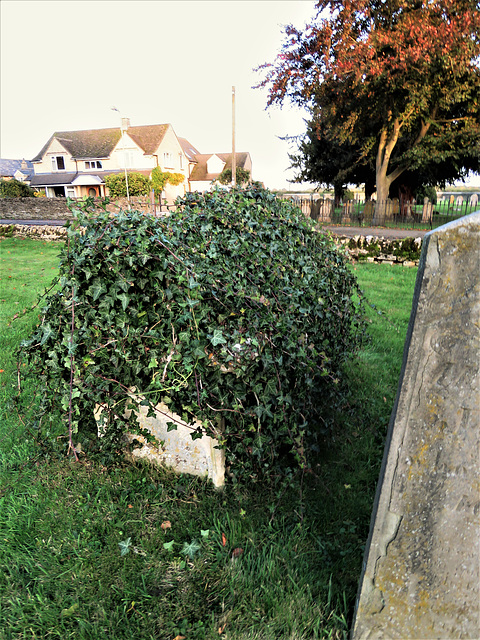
55	149
201	185
215	165
171	146
132	154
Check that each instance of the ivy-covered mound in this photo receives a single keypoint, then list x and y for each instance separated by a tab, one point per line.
233	307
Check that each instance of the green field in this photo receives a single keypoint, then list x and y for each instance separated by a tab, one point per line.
245	563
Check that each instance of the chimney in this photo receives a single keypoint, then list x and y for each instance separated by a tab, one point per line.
125	124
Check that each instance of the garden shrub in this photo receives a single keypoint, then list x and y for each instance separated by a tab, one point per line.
138	184
232	307
15	189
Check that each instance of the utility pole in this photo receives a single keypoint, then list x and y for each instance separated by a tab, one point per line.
234	157
123	128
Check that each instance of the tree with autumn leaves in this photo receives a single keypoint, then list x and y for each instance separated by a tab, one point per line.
392	84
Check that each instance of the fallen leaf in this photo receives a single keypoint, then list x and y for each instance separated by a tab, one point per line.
66	613
236	553
130	506
224	539
166	525
179	638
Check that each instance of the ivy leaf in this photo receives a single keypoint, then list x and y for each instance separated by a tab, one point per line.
124	299
48	332
125	546
169	545
98	288
191	548
217	338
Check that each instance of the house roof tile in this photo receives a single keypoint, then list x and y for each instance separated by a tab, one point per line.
66	177
99	143
9	167
188	149
50	179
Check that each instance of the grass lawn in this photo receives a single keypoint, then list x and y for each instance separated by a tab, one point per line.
141	553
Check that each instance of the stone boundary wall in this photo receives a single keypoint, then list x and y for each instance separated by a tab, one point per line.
404	252
34	209
57	209
36	232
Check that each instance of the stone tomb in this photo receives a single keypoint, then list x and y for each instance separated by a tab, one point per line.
176	448
421	571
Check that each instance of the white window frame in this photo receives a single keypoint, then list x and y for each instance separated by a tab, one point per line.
93	164
54	160
168	160
127	159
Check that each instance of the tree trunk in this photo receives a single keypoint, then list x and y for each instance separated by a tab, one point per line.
339	190
387	142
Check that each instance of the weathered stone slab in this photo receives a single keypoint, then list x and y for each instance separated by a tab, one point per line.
421	572
177	450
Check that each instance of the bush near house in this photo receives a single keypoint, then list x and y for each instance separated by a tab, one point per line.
242	176
138	184
160	179
15	189
232	308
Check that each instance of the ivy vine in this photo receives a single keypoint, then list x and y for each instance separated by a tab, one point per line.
232	310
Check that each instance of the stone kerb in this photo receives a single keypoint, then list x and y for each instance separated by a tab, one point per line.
421	571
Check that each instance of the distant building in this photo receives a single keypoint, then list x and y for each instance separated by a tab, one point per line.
209	166
75	163
21	170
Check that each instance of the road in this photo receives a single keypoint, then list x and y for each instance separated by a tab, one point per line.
381	232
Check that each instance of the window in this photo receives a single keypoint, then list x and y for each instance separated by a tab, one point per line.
180	160
93	164
127	159
58	163
168	160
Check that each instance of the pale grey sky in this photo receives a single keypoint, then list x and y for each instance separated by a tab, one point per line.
64	64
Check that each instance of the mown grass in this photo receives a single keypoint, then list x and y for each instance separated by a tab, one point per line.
63	575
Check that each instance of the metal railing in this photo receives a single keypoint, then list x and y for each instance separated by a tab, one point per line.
389	213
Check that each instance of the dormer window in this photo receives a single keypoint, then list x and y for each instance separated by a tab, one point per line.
93	164
58	163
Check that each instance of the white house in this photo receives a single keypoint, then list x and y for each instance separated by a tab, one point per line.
75	163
